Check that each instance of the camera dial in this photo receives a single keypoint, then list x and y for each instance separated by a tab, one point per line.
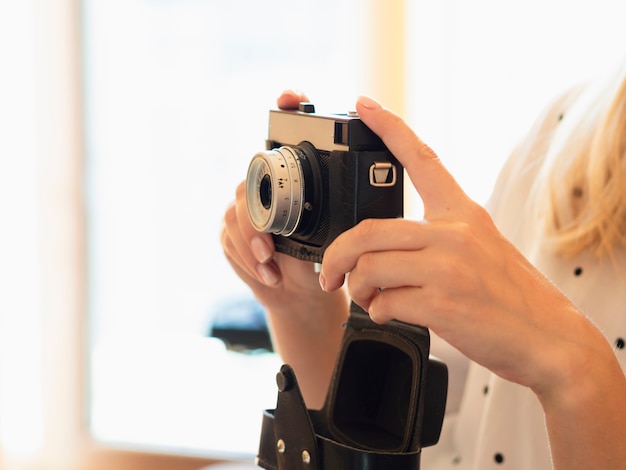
275	190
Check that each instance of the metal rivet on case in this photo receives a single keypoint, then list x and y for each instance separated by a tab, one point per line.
280	446
283	381
306	457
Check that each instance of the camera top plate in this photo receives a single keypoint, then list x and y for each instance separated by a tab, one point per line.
328	132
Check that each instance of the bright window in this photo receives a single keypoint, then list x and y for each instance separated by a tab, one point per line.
177	98
20	332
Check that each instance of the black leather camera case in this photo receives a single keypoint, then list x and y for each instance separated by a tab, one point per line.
385	402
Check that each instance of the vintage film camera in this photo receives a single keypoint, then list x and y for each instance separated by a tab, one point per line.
321	175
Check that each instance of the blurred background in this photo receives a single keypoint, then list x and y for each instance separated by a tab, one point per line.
125	126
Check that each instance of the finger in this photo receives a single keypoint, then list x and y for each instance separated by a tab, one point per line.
233	243
371	274
232	256
290	99
436	186
252	250
415	305
260	244
244	265
370	235
267	274
391	304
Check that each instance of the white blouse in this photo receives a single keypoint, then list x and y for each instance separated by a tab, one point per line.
498	424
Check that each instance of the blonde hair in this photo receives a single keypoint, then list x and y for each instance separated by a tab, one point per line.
581	188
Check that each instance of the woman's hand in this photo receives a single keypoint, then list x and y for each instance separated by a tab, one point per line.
305	322
252	254
455	273
275	279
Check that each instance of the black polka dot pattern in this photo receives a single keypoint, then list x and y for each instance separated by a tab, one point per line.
498	458
578	271
619	343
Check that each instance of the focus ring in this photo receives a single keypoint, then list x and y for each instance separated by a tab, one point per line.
275	191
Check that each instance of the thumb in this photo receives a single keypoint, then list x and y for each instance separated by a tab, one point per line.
290	99
439	191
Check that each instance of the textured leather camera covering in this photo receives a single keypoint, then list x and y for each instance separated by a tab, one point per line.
347	198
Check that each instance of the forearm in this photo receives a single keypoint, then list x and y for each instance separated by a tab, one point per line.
587	422
307	335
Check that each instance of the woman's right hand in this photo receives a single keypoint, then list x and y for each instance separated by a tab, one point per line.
304	321
274	278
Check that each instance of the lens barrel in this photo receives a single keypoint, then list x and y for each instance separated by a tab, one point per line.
275	190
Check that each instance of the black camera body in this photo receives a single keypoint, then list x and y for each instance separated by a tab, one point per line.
320	175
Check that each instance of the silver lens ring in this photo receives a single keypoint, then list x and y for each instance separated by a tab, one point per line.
275	191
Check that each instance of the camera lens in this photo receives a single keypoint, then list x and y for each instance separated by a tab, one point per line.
265	191
275	190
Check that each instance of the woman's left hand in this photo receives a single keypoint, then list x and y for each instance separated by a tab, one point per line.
454	273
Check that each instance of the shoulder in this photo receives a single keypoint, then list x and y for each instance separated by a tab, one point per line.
520	171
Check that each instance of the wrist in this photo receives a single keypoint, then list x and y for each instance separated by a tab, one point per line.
310	307
577	370
307	333
586	413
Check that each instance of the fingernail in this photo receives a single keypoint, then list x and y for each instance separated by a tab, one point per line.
322	282
260	249
268	274
369	103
